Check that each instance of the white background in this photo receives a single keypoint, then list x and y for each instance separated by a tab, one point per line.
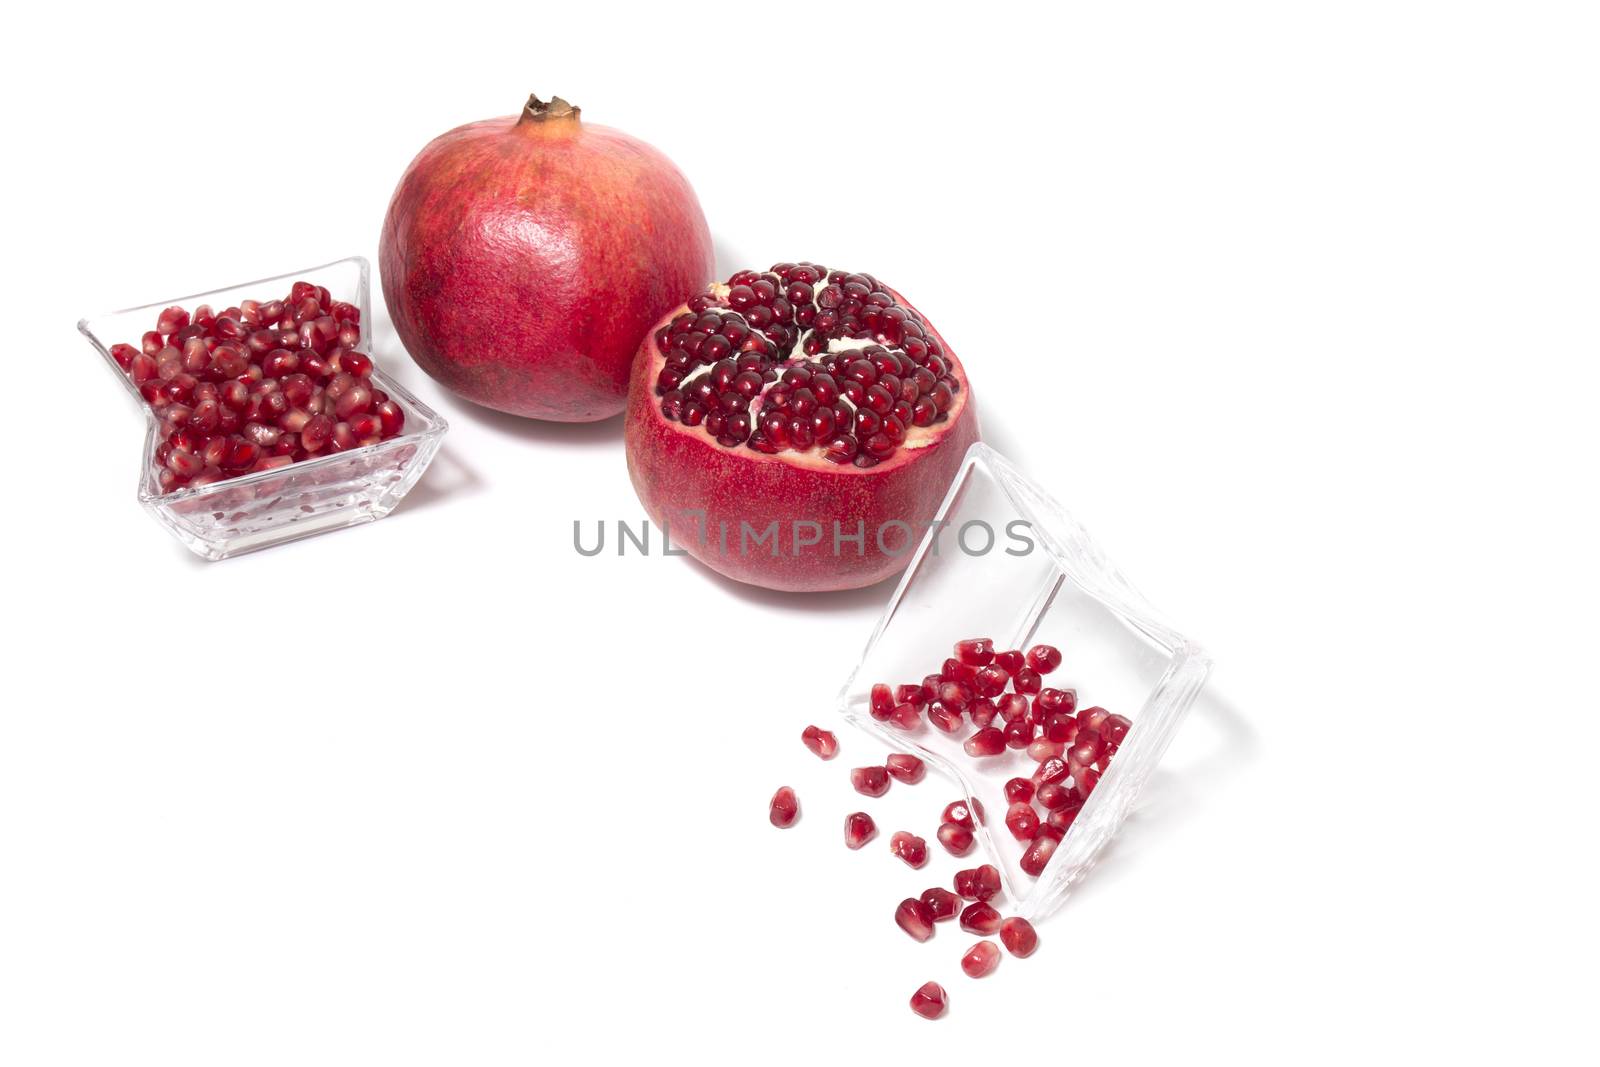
1296	307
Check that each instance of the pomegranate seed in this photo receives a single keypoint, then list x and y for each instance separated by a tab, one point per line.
1093	718
1054	796
1088	749
1026	681
1010	662
1086	779
1013	707
979	918
1060	819
785	808
957	840
975	651
1044	658
1116	728
945	719
1056	700
1037	854
1019	790
870	781
1060	729
912	694
881	702
942	904
981	959
986	742
1041	749
822	742
234	381
1052	770
859	829
978	883
906	716
983	712
909	847
962	813
1022	821
990	681
915	918
955	695
1019	936
929	1001
905	767
1018	734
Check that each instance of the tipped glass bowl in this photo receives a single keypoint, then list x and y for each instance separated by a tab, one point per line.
1004	561
331	492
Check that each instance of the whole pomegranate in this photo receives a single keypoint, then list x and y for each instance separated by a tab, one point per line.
797	428
523	257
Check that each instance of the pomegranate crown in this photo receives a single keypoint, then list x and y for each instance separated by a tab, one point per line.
537	110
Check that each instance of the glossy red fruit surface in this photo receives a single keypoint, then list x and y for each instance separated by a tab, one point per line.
904	767
785	808
979	918
978	883
930	1000
524	257
870	781
1019	936
859	829
981	959
942	903
915	917
957	840
909	848
815	404
821	742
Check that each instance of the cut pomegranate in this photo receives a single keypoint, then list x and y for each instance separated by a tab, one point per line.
785	808
904	767
820	741
929	1001
1019	936
816	403
957	840
981	959
942	903
978	883
916	918
870	781
859	829
1022	821
979	918
910	848
229	408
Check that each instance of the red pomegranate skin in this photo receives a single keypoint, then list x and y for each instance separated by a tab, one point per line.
677	470
523	257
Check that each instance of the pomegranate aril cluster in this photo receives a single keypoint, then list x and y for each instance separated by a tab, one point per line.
805	359
999	702
257	386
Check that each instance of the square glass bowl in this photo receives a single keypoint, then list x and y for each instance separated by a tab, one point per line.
252	511
1005	561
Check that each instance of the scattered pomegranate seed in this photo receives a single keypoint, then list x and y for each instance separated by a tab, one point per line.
960	813
1093	719
822	742
1026	681
957	840
1019	790
243	390
870	781
981	959
978	883
785	808
975	652
859	829
986	742
945	719
942	903
1022	821
1060	819
979	918
1010	662
906	716
915	917
904	767
1044	658
929	1001
909	847
1086	779
1019	936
